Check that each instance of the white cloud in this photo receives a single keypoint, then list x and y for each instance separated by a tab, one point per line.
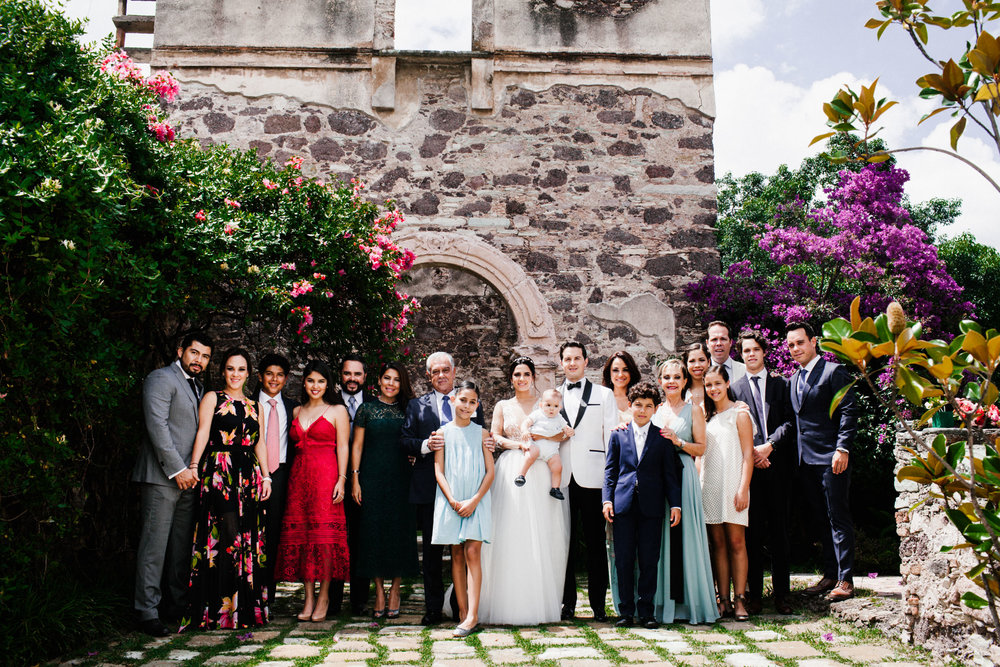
764	122
936	175
434	25
734	21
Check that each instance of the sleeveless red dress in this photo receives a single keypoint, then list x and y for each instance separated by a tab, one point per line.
314	531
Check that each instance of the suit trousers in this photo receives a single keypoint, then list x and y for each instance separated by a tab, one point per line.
274	509
637	537
165	543
830	496
585	514
432	557
768	530
359	585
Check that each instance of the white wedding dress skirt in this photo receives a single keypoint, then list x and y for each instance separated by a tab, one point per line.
524	567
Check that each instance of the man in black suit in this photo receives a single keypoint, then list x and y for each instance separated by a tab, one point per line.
353	374
824	455
774	463
420	438
639	456
275	423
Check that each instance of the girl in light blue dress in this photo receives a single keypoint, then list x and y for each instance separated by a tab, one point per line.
462	512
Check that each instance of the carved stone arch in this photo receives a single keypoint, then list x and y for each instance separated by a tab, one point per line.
536	332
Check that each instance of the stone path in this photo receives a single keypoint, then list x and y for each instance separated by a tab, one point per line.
812	639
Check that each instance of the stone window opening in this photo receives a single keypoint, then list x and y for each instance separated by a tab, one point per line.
433	25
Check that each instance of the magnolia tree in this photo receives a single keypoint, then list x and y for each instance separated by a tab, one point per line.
964	477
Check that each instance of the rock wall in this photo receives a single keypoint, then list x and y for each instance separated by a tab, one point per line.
934	582
601	194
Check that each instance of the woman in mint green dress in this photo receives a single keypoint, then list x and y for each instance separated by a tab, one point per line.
692	597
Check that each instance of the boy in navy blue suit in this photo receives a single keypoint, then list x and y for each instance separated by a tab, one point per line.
639	457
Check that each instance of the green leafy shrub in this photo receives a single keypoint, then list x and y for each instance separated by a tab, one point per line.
115	238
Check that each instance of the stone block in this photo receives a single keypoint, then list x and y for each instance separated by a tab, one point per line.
347	657
561	652
383	83
763	635
181	655
864	652
225	660
509	656
748	660
791	649
490	639
452	648
295	651
641	656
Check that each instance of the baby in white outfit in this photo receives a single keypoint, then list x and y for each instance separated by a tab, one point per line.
539	428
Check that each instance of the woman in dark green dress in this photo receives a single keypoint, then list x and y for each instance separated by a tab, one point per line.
387	544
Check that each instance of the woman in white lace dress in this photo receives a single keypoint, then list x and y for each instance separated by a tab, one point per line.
525	566
726	468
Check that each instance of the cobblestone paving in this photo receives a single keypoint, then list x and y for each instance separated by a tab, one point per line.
810	639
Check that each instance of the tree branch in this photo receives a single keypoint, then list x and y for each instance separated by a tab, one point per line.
946	152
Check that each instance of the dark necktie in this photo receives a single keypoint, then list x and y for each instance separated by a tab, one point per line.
759	400
445	410
574	385
801	387
194	388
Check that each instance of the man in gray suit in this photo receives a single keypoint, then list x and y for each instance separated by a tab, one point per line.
170	397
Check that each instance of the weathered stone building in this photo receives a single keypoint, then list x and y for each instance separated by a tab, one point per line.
557	177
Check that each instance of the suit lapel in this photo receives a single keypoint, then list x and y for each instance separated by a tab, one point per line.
435	419
185	387
588	386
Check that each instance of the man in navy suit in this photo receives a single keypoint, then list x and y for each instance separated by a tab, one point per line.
639	458
420	438
276	421
774	463
824	455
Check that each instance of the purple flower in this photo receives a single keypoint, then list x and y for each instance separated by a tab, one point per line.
828	637
873	575
247	637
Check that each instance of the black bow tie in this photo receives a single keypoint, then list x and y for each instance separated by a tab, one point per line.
574	385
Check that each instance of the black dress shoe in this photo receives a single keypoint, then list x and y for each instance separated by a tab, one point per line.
600	617
567	614
359	611
431	618
624	622
649	622
782	607
154	627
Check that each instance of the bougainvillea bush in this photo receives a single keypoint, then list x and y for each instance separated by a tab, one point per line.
117	235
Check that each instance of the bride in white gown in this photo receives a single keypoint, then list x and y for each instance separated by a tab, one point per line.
524	566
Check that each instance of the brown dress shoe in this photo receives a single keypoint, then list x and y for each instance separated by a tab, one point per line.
844	590
822	586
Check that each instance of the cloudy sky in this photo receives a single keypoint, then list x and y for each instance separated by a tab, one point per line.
775	65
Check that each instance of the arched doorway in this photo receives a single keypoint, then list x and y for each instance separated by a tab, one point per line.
482	307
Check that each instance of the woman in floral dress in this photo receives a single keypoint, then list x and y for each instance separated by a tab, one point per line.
227	586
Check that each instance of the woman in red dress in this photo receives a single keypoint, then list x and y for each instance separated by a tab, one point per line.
314	532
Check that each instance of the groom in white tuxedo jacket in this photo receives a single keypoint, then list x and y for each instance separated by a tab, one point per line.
590	409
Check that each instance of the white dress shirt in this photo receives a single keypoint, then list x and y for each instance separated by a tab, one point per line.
359	398
265	414
762	402
572	399
639	433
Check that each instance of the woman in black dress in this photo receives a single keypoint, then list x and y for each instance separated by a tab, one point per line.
227	585
387	544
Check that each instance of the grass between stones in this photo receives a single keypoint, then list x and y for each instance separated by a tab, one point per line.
347	640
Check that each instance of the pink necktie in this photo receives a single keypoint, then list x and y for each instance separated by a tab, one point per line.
272	439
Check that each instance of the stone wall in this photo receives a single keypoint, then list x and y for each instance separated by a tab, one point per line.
574	141
933	581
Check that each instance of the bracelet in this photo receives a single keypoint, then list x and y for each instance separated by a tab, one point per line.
267	479
356	472
193	466
343	476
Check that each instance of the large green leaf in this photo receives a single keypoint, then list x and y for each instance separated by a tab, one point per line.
973	601
837	329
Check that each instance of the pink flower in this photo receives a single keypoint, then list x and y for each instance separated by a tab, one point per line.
328	295
119	65
231	202
341	272
230	228
312	263
301	287
200	216
269	184
162	130
828	637
873	575
164	84
290	266
295	162
319	276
